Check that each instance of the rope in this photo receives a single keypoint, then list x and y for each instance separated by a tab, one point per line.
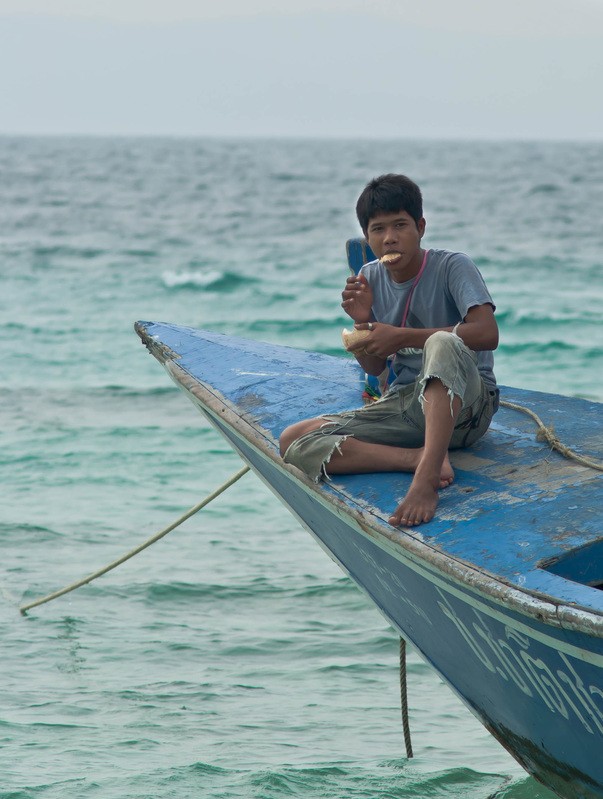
546	434
139	548
404	698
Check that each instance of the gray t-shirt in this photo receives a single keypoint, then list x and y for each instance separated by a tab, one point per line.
450	285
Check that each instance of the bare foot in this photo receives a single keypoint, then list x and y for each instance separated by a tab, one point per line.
419	504
446	472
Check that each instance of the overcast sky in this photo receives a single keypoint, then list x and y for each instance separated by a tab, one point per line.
464	69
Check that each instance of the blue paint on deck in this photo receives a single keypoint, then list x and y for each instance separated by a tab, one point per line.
514	502
534	682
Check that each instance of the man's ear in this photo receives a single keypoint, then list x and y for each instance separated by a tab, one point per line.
421	225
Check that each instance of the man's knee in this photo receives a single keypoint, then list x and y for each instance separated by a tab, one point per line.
444	342
295	431
287	437
442	352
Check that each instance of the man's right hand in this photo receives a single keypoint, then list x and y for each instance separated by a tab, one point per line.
357	299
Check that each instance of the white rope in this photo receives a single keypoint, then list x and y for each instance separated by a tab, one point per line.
139	548
546	434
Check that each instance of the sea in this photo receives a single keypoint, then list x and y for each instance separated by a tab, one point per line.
233	658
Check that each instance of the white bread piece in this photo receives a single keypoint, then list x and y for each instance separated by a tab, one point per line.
389	256
351	337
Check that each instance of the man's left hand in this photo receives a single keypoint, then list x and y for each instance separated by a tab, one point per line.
383	340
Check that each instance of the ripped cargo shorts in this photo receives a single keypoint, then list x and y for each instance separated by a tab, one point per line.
397	418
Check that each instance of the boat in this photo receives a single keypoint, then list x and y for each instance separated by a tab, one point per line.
500	592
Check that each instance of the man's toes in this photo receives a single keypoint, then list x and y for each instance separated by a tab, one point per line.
411	518
407	521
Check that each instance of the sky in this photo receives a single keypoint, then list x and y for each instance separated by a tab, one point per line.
468	69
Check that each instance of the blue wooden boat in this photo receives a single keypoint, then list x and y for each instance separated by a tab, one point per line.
500	592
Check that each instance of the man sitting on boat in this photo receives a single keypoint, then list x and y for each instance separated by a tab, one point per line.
433	310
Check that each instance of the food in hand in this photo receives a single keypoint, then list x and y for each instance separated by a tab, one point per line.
352	337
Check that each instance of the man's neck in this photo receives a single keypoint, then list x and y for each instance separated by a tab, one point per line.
410	270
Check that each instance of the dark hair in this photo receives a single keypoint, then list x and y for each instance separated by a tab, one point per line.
388	194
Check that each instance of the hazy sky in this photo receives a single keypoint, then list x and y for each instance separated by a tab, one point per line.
436	68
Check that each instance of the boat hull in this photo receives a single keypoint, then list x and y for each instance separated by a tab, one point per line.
525	681
532	673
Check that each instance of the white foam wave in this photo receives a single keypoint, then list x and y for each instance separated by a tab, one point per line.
202	279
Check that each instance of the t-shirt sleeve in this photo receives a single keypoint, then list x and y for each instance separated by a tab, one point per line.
368	270
466	284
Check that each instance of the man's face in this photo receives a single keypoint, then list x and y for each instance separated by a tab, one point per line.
396	234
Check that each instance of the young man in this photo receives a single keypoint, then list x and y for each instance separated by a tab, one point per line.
433	310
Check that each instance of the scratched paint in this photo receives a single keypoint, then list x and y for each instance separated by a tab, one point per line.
530	675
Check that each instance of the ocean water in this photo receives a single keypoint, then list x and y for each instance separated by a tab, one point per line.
233	658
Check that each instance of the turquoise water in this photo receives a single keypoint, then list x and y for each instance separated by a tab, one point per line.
233	659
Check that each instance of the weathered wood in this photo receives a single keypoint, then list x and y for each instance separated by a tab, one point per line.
475	590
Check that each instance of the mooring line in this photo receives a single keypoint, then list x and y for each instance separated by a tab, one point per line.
404	699
139	548
546	434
